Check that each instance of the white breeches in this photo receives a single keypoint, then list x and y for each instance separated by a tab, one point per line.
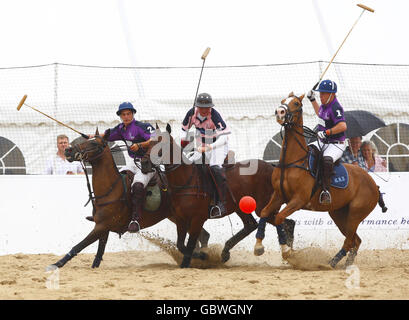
139	176
214	157
333	150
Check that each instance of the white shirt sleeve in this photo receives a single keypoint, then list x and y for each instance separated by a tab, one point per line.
221	141
183	134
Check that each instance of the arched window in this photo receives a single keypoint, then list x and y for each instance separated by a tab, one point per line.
273	149
392	142
11	158
119	157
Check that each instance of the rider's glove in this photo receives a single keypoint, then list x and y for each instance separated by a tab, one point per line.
322	135
311	95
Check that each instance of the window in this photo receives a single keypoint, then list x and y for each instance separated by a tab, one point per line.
392	142
11	158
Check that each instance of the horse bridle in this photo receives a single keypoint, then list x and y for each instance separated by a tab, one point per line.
289	115
83	155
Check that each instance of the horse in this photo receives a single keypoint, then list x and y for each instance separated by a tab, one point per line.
293	184
111	199
191	204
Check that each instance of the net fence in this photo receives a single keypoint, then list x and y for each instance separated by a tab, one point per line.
87	97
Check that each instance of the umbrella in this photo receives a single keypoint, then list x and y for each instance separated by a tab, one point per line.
359	123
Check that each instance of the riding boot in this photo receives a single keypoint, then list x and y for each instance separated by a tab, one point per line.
221	187
137	197
325	196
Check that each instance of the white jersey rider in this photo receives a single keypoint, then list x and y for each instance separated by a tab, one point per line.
212	138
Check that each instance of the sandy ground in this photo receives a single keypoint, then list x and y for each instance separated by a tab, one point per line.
379	274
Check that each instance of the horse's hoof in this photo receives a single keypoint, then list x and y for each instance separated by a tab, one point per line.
185	262
200	255
96	264
225	256
286	251
258	250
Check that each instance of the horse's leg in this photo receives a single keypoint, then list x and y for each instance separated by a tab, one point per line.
202	243
354	251
272	206
194	231
340	218
250	224
204	238
285	233
181	231
101	249
93	236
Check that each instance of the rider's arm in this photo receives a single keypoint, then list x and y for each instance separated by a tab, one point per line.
338	128
221	140
315	106
183	138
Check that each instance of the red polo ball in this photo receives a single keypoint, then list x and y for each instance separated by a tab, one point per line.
247	204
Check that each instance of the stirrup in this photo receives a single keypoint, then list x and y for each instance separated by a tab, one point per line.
322	197
134	226
215	212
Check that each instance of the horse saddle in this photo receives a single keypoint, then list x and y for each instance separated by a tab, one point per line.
154	189
339	177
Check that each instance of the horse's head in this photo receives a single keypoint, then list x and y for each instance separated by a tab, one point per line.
89	150
160	150
290	110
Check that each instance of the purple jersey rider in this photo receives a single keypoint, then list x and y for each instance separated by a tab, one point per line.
133	133
331	132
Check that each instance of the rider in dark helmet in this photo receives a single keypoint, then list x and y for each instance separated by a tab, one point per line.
331	131
212	138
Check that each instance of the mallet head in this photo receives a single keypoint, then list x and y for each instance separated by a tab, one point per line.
365	7
205	53
21	102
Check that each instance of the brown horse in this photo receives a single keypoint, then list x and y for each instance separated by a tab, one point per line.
293	185
191	201
111	199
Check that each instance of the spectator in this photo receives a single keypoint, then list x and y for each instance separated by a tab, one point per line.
58	164
373	161
353	154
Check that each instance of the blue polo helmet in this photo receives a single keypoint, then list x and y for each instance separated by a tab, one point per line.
125	106
327	86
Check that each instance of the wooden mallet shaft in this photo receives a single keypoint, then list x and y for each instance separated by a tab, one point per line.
365	8
22	102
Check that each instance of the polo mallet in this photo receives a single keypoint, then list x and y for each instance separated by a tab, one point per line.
204	56
63	124
365	8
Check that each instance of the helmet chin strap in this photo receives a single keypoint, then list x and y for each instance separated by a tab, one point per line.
329	98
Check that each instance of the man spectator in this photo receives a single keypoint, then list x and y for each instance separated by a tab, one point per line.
58	164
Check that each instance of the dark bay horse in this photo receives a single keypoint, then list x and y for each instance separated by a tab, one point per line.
191	205
111	201
293	184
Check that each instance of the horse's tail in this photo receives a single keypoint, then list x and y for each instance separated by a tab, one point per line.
381	202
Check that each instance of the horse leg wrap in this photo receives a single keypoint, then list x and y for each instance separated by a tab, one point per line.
282	237
66	258
351	257
342	253
261	228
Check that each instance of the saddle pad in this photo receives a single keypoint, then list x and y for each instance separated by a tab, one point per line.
339	180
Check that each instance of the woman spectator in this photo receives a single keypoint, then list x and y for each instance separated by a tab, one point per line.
373	161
